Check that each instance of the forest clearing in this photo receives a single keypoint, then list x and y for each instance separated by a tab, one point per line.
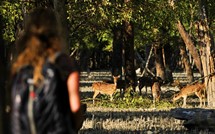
140	120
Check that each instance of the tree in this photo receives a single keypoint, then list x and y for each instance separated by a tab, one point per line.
185	60
118	53
2	79
187	39
190	45
128	45
159	64
206	48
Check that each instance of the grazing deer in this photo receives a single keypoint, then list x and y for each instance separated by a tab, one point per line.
105	88
156	92
146	81
188	90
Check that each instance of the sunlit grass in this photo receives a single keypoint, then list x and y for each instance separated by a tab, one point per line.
128	100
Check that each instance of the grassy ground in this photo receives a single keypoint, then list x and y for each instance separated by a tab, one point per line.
133	115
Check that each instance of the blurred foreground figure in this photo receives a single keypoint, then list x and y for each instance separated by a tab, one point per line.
45	81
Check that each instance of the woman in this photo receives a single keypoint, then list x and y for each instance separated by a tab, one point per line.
42	42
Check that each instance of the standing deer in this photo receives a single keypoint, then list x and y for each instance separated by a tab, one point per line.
105	88
121	84
146	81
188	90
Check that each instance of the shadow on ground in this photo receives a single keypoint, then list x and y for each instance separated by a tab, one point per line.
134	122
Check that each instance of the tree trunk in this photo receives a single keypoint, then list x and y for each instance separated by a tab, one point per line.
160	71
85	59
185	60
148	57
130	74
117	55
2	86
206	56
190	45
128	49
167	52
3	75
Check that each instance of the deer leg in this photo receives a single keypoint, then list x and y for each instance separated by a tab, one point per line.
200	102
111	97
184	101
94	96
158	96
198	94
140	90
146	90
121	91
204	97
204	100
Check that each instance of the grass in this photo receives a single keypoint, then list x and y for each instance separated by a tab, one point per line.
132	113
128	100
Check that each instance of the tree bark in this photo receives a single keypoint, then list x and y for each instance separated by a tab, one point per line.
146	69
117	55
167	60
206	56
185	60
85	59
160	71
167	52
190	45
130	74
2	83
128	47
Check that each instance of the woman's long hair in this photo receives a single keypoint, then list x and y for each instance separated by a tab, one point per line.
41	40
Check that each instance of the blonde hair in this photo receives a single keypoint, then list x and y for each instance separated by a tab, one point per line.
41	40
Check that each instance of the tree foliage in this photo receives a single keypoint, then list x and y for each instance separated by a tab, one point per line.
11	12
90	22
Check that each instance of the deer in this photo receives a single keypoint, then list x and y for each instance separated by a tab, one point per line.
121	84
146	81
188	90
177	83
105	88
156	92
